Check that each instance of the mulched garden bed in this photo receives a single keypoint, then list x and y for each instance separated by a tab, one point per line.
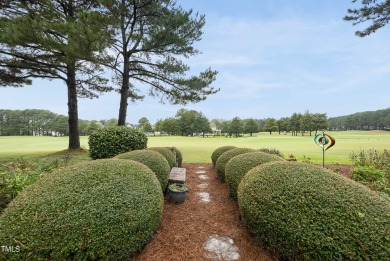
186	227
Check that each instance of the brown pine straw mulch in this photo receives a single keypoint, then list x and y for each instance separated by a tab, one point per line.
186	227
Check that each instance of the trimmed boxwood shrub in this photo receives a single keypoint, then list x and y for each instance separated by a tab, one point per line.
168	155
179	156
224	159
111	141
218	152
238	166
154	160
304	212
101	210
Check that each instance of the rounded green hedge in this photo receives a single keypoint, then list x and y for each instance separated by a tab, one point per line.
168	155
224	159
152	159
179	155
101	210
111	141
303	212
218	152
238	166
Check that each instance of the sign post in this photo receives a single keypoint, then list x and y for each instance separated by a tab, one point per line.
322	140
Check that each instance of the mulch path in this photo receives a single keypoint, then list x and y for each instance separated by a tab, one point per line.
186	227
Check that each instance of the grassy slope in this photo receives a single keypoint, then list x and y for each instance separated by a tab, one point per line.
198	149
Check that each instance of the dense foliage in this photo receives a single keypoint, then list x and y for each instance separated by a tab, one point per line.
218	152
100	210
152	159
238	166
14	177
367	120
185	123
109	142
167	154
372	168
224	159
369	174
304	212
18	174
32	122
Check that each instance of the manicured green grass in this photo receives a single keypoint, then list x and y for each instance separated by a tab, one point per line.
199	149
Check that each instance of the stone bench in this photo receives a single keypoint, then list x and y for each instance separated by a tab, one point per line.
177	175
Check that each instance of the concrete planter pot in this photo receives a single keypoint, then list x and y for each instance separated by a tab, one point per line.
177	193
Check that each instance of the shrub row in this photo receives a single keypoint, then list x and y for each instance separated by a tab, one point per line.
224	159
105	209
303	212
238	166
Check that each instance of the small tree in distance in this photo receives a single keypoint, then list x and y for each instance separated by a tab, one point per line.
145	125
236	126
271	125
251	126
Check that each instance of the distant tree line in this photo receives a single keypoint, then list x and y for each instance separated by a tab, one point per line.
43	123
297	123
369	120
191	122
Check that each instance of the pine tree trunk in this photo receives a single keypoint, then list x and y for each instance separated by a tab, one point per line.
124	94
123	106
74	138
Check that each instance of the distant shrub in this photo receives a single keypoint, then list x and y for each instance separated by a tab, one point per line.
168	155
303	212
224	159
238	166
218	152
372	168
179	155
272	151
111	141
100	210
372	158
367	174
152	159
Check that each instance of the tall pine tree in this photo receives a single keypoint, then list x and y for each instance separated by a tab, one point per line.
152	37
54	39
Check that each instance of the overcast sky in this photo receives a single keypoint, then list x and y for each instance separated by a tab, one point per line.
274	57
